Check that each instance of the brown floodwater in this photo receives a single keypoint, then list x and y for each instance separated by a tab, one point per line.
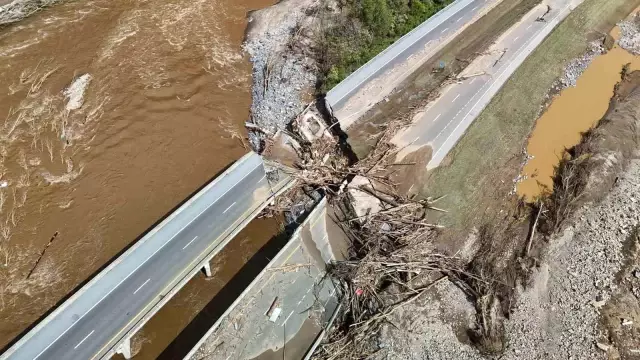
574	111
113	112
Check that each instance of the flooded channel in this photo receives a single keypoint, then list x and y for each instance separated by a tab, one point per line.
113	112
574	111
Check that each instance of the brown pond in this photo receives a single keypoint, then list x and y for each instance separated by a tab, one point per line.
572	112
161	89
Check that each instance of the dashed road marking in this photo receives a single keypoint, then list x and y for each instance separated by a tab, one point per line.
455	98
445	29
83	340
287	319
227	209
189	243
140	287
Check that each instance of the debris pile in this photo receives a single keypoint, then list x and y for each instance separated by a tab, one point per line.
283	71
630	35
576	67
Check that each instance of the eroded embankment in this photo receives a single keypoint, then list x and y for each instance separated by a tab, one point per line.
576	109
113	112
557	314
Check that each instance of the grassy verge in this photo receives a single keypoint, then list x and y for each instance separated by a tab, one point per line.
363	28
478	173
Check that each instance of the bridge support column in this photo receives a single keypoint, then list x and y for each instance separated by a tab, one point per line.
207	269
125	349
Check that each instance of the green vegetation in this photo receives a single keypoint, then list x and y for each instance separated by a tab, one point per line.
487	158
363	29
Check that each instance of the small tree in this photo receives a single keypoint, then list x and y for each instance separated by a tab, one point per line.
377	16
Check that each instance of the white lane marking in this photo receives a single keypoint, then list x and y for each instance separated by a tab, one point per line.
472	80
516	38
189	243
442	32
227	209
85	338
529	27
287	319
456	98
460	18
299	302
437	117
140	287
138	267
477	6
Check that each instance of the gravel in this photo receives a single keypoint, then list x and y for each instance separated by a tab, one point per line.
630	35
557	316
281	76
577	66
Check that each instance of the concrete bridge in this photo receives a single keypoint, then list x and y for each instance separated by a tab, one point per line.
99	319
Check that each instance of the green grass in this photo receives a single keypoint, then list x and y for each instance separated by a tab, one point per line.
486	159
364	29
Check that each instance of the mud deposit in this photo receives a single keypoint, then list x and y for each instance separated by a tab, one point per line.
113	112
574	111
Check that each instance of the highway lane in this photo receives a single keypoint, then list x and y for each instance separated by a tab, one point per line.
378	78
102	318
446	119
301	293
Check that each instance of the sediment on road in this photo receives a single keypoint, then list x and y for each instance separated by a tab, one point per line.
423	85
495	251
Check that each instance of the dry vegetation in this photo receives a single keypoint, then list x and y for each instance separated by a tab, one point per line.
396	252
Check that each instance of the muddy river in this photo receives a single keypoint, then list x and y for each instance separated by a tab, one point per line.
113	112
574	111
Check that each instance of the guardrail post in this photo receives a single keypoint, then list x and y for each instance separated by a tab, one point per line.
207	269
125	349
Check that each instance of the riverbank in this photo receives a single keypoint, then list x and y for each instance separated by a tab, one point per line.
113	113
280	44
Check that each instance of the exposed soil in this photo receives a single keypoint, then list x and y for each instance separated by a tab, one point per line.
581	300
424	81
113	112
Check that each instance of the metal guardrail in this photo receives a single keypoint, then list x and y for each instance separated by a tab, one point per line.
117	302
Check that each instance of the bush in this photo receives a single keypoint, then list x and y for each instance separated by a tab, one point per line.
364	29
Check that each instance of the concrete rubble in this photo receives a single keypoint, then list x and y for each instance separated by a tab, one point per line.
280	81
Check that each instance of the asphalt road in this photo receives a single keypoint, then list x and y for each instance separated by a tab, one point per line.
344	100
446	119
96	319
296	278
